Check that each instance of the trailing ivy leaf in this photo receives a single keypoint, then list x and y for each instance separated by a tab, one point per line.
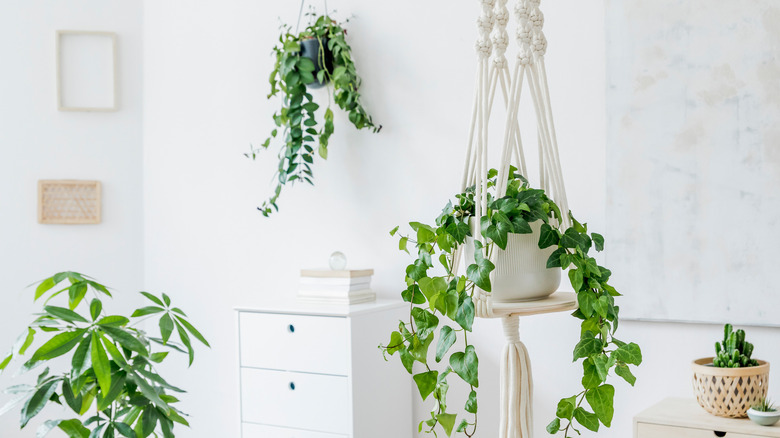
586	299
588	419
446	340
413	294
590	376
565	407
598	240
465	314
396	343
575	277
402	244
587	346
554	426
462	426
629	353
602	366
554	261
459	230
426	383
624	372
521	226
393	231
601	400
430	287
548	236
407	360
58	345
447	422
417	270
465	364
471	403
479	272
425	321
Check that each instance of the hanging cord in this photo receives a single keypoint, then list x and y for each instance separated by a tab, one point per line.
300	14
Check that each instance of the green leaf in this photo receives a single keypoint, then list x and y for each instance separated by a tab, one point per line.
402	244
479	272
601	362
166	327
185	339
598	240
465	314
396	343
100	364
113	321
601	400
413	294
447	422
6	361
149	392
466	364
38	401
554	426
629	353
587	419
117	386
74	402
74	429
153	299
95	307
425	321
407	360
149	310
588	346
417	270
432	286
44	287
78	362
590	377
548	236
446	340
64	314
393	231
471	403
76	293
419	348
575	277
624	372
125	429
566	407
158	357
125	339
28	340
462	426
458	230
46	427
148	420
554	261
586	300
58	345
426	383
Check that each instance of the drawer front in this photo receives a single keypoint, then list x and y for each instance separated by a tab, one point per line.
313	344
296	400
262	431
646	430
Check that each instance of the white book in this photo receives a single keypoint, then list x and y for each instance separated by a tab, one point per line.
314	288
354	297
353	281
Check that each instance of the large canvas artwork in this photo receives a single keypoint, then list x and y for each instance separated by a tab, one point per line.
693	158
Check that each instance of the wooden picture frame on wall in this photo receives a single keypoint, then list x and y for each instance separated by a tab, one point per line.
69	202
86	71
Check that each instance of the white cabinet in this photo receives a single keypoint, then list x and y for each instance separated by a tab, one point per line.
314	371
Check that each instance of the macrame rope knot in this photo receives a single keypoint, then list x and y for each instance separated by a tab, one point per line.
485	22
539	44
487	3
511	326
524	35
502	16
521	11
537	18
500	42
484	48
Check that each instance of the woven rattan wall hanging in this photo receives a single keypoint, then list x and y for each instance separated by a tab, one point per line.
69	202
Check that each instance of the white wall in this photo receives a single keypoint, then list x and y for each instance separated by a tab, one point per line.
39	142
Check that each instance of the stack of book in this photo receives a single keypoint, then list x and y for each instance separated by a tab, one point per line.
336	287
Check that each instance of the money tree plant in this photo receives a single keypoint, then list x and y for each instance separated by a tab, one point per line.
104	365
442	302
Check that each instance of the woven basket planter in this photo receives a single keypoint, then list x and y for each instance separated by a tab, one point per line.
729	392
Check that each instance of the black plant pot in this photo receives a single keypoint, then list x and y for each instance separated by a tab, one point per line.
310	48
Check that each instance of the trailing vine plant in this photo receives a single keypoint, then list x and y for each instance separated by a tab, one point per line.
440	300
296	123
110	381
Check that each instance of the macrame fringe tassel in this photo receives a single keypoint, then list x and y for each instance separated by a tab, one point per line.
516	410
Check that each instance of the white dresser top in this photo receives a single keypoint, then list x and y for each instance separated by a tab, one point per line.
687	413
291	306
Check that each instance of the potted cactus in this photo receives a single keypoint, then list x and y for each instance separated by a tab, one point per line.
732	382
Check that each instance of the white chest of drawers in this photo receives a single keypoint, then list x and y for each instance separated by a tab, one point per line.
310	371
684	418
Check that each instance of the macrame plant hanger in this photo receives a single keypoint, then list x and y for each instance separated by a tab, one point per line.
493	74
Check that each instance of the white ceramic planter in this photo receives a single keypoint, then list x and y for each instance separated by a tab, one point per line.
521	272
764	418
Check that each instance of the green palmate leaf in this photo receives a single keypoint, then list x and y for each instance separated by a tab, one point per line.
588	419
590	376
446	340
28	340
624	372
149	392
149	310
125	430
125	339
601	400
64	314
566	407
117	385
44	287
166	327
38	401
153	299
548	236
471	403
447	422
76	293
185	339
113	321
425	321
587	346
465	314
74	429
629	353
95	307
100	364
158	357
458	230
598	240
426	383
466	364
6	361
46	427
79	362
554	426
75	402
58	345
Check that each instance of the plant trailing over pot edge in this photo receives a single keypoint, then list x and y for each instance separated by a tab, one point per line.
296	122
434	299
112	363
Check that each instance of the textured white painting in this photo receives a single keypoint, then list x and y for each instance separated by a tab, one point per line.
693	158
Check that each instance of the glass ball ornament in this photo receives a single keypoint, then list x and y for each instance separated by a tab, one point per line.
337	261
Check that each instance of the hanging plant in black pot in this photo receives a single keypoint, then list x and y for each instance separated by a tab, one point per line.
313	58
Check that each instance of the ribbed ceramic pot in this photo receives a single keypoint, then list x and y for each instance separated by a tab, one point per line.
521	272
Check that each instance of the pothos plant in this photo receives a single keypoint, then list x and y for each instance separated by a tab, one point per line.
112	384
439	300
297	125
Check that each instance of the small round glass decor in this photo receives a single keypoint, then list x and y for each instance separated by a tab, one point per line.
337	261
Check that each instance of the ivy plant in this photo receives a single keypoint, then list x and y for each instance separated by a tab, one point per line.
441	302
112	384
296	124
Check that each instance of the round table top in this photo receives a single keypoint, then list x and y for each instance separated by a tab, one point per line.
557	302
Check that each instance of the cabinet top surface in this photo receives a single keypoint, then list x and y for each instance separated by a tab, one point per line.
685	412
301	308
